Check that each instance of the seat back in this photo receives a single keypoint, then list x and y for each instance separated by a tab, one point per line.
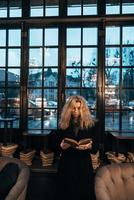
115	182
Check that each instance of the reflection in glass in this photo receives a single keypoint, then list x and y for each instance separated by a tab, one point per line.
52	8
35	77
15	8
34	98
128	56
112	57
90	96
128	120
73	77
112	98
3	8
111	121
112	35
89	77
73	7
112	7
13	57
2	57
14	93
73	57
34	118
127	7
2	77
51	57
128	77
50	95
70	92
89	57
128	99
14	38
35	38
128	35
13	77
50	119
73	36
89	8
2	38
35	57
50	77
90	36
36	8
112	77
51	36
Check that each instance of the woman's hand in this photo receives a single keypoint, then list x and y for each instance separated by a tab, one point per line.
85	146
64	145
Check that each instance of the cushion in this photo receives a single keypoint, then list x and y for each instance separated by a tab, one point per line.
8	177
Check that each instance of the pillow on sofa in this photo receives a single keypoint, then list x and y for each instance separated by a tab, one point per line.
8	177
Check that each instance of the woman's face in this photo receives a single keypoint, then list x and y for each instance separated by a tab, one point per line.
76	110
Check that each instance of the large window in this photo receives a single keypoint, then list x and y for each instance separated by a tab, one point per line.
50	50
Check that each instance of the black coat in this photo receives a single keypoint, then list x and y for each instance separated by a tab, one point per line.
75	172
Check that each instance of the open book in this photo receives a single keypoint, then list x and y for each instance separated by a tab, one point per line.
74	143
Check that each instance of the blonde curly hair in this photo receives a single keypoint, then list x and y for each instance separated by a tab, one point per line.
86	119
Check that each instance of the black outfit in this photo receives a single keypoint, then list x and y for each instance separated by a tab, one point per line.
75	172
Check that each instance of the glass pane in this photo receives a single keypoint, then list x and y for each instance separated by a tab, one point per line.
36	8
128	35
14	57
128	99
14	38
35	77
112	77
14	93
74	7
73	57
51	57
89	77
128	56
128	77
3	8
2	78
73	36
15	8
50	77
73	77
2	37
89	8
34	98
112	7
51	36
90	36
90	96
89	57
50	119
112	35
111	120
34	118
112	98
127	6
35	57
112	57
2	57
52	8
35	38
50	95
13	77
128	120
70	92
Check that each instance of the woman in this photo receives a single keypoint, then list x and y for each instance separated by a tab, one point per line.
75	171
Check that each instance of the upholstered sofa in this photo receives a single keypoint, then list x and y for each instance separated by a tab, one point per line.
115	182
18	191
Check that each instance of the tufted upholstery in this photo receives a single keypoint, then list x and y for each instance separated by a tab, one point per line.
18	191
115	182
